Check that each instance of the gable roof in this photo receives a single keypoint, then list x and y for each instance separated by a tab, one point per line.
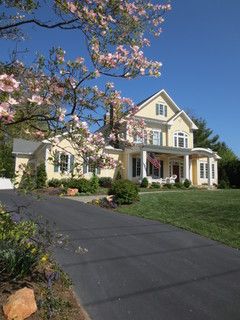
184	114
22	146
155	95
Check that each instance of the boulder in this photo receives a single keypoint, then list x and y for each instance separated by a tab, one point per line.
72	191
20	305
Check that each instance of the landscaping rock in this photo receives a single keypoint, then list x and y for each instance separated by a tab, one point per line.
20	305
72	192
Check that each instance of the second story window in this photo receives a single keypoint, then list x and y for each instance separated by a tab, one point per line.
161	109
180	140
156	137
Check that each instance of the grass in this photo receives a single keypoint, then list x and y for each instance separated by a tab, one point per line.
214	214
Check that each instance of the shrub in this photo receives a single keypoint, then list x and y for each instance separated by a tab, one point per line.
187	183
55	183
94	183
223	184
155	185
124	191
144	183
179	185
105	182
28	180
23	245
83	185
168	185
41	176
118	176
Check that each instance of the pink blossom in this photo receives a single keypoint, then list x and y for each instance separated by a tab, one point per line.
36	99
8	83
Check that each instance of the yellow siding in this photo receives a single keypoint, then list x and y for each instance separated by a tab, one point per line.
149	111
180	124
194	172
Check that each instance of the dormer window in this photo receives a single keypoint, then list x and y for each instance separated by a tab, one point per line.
180	140
161	109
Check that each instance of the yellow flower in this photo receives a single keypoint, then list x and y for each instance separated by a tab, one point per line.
33	250
44	258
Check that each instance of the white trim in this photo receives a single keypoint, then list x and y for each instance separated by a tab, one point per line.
141	106
182	112
184	136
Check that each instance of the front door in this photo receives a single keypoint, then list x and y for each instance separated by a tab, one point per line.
176	171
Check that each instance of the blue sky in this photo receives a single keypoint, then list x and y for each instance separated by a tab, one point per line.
199	49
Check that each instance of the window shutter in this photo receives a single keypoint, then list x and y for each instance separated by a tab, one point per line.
98	170
56	162
134	165
84	166
161	137
157	109
165	110
71	162
161	169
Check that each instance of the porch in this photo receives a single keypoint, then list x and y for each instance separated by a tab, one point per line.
174	165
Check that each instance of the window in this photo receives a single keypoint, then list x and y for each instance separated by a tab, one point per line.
156	137
90	167
141	138
136	167
203	170
181	170
213	171
63	162
180	140
161	109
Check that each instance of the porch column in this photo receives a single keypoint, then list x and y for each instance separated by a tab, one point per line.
143	164
186	166
129	166
190	174
209	171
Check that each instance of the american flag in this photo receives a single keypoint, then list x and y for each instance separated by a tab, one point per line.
153	160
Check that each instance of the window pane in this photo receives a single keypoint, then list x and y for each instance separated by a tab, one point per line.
156	137
213	171
206	170
181	142
64	160
202	170
138	167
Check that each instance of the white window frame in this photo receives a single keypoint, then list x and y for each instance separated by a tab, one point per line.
180	135
68	163
213	170
203	170
158	140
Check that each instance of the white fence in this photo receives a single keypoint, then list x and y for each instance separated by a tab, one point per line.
5	184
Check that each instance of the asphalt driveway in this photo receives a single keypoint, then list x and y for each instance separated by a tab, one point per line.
137	269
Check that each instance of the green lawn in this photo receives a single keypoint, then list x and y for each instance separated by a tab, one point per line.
214	214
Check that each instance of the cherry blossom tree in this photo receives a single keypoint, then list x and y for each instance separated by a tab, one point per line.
56	95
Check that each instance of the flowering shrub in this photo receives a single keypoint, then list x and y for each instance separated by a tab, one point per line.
124	192
23	245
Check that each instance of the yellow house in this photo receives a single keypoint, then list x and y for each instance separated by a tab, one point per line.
165	154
